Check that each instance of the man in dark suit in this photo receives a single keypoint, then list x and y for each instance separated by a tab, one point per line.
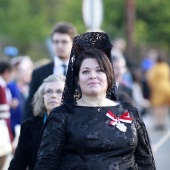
62	38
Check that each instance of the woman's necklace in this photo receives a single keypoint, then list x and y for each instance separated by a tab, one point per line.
98	108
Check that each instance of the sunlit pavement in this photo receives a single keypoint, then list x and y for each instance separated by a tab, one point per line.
160	141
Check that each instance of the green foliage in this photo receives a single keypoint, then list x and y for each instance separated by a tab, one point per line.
152	24
114	18
24	22
19	22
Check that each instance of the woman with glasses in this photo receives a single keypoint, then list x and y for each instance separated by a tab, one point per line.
45	99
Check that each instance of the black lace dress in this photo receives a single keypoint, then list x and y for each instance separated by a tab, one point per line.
85	138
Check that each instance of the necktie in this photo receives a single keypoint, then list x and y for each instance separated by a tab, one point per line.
64	69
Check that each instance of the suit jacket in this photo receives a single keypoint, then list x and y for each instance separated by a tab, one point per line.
124	89
38	76
125	94
28	144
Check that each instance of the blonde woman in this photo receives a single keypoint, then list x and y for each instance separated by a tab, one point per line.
45	99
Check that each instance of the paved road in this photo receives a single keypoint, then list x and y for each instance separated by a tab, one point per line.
160	141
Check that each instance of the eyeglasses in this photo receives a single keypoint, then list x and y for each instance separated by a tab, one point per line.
64	42
50	92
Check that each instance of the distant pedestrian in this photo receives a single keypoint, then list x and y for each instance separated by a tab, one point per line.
6	136
159	82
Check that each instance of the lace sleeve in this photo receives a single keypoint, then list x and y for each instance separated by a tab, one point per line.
52	143
143	153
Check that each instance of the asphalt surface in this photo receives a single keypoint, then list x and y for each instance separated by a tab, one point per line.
160	142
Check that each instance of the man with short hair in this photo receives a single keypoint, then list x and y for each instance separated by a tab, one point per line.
62	38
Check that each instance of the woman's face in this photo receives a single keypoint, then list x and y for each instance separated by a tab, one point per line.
53	94
92	79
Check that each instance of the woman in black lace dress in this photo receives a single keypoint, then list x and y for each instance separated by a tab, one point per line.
92	130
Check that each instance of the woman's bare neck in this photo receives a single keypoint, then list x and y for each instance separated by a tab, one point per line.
95	102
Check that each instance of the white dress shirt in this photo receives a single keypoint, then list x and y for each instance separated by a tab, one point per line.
58	68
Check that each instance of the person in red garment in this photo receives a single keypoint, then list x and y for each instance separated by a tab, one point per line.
5	129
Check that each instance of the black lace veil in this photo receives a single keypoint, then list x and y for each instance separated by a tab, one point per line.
81	43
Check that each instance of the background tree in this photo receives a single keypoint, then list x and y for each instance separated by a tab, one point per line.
26	24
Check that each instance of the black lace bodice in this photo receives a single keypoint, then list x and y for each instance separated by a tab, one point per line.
85	140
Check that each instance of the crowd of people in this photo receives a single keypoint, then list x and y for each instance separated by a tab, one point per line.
82	110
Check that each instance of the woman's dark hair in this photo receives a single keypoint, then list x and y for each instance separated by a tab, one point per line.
4	66
103	62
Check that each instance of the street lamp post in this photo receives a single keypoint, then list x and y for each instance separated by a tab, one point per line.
130	24
92	11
